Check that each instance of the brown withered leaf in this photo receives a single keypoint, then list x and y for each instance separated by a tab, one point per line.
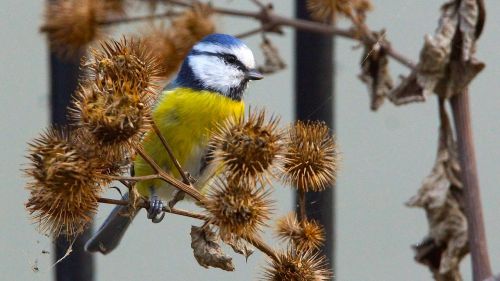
375	72
436	71
240	246
207	251
468	15
441	198
273	61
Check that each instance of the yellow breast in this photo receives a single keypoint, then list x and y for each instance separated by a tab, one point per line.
186	118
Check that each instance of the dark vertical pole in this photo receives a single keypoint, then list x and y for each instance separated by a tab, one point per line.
314	101
79	265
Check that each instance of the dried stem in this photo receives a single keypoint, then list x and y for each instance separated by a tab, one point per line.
177	165
168	178
270	21
120	20
146	205
255	241
477	237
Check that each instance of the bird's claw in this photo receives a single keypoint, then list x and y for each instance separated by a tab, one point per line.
155	210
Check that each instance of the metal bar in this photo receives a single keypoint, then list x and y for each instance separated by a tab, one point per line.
314	99
79	265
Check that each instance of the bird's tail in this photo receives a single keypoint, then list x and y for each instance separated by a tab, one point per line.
107	238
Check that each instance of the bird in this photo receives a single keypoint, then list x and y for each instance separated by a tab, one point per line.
207	90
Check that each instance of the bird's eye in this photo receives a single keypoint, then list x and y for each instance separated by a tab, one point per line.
230	58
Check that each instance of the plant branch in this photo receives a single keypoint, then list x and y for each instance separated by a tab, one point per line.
171	154
120	20
255	241
146	205
168	178
477	236
270	21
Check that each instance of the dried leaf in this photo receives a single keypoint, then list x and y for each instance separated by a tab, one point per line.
436	71
440	195
469	14
240	246
207	251
375	72
273	61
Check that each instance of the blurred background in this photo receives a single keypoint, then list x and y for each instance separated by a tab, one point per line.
386	154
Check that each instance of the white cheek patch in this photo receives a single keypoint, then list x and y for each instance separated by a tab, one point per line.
243	53
215	73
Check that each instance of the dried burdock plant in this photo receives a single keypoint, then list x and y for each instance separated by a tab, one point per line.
72	24
64	185
327	10
310	163
127	62
238	207
113	102
296	265
303	235
171	44
248	148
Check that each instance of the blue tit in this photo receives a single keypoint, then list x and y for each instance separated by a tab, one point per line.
208	90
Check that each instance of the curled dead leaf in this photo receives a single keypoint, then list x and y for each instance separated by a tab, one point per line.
446	63
375	71
240	246
207	251
273	61
441	197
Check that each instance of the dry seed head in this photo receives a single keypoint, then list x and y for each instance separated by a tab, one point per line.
310	162
327	10
172	44
72	24
125	63
293	265
304	235
248	148
114	160
63	187
117	117
238	209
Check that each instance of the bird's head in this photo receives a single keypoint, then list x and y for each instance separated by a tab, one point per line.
219	63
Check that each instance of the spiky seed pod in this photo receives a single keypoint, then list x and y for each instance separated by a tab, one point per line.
327	10
114	101
248	148
127	63
114	160
238	209
292	265
117	117
311	160
72	24
305	235
172	44
63	187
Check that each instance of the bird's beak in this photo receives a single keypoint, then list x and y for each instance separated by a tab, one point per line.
253	74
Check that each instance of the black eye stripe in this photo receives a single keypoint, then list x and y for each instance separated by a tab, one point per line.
228	58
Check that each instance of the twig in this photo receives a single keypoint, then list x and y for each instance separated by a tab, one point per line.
121	20
168	178
262	28
146	205
170	153
255	241
477	237
271	21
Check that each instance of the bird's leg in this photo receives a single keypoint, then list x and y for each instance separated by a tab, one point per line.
179	194
155	210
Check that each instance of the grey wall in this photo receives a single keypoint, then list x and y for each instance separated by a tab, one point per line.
385	156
